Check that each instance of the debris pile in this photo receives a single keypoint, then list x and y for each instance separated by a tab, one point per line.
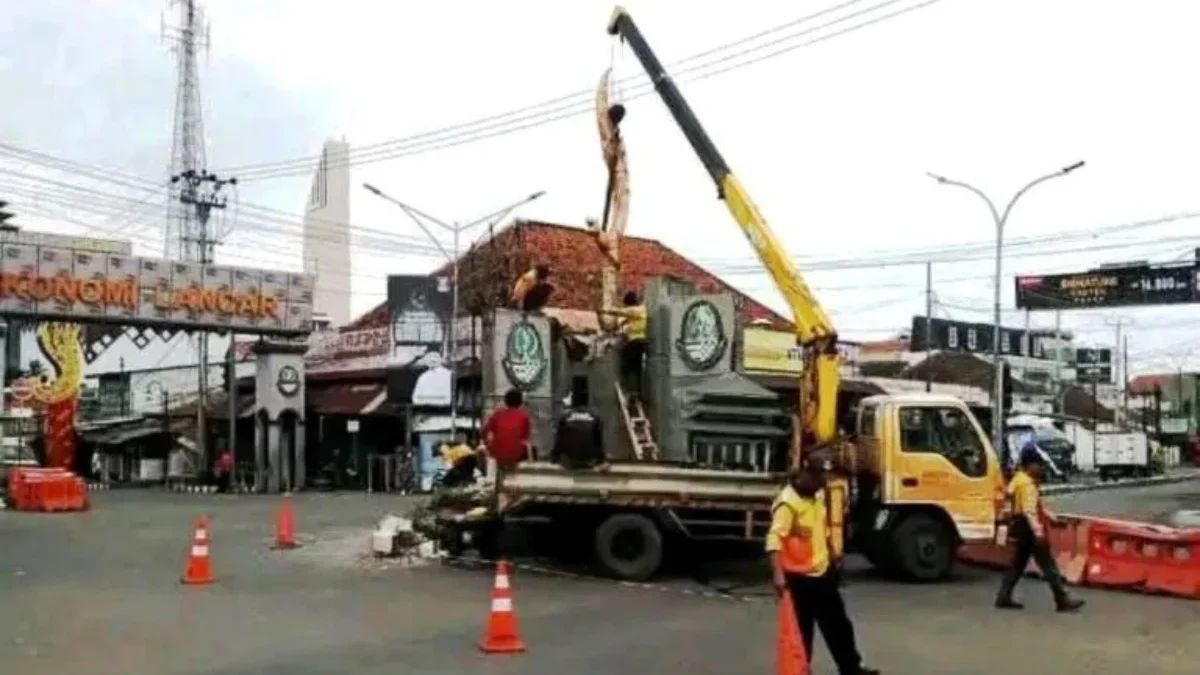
396	537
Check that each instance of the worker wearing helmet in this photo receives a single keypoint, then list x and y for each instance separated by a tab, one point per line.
801	551
1028	531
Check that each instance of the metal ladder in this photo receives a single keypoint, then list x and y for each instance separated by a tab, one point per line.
638	427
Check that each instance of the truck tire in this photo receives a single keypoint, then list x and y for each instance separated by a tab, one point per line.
628	546
923	548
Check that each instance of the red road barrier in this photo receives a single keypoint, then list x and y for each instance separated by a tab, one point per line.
1068	541
46	489
1144	557
1104	553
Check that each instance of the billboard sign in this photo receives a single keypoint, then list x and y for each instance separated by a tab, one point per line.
962	336
1093	365
348	343
1133	286
771	351
419	306
48	283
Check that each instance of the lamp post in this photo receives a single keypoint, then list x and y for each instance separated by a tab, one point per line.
456	229
999	218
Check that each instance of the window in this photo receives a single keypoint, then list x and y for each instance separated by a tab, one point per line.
866	421
952	337
972	341
944	431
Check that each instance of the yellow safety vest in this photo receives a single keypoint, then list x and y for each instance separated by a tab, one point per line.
799	533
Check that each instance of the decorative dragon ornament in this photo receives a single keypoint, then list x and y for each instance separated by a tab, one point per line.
616	200
57	394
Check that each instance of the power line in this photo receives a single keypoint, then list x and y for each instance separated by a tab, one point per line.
575	103
464	134
966	252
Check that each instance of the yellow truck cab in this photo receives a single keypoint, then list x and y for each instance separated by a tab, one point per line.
926	480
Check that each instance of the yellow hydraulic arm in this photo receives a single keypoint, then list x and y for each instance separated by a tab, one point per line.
814	332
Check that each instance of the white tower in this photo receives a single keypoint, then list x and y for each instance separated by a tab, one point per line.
327	234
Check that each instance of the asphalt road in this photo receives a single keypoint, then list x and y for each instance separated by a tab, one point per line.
98	593
1154	503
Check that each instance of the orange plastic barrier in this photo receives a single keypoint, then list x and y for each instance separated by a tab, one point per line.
41	489
1068	542
1105	553
1144	557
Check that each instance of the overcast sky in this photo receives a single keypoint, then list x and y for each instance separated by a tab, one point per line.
833	139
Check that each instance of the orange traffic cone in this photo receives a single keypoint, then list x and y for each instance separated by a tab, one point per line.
285	526
501	636
790	657
199	568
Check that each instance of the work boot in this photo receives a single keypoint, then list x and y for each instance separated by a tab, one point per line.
1008	603
1069	605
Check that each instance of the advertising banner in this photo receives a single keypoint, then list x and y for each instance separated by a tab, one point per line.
62	284
1132	286
771	351
349	343
963	336
419	306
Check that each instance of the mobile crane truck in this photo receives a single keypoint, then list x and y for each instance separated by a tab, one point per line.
918	474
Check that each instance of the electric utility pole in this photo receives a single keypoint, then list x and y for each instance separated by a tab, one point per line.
202	193
929	326
194	192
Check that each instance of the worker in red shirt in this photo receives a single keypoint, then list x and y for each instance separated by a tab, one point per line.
224	470
507	431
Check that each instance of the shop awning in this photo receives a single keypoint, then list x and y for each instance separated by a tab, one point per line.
347	399
120	435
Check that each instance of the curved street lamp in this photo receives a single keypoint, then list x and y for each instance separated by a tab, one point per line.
999	219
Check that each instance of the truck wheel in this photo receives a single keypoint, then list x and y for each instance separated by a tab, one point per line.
629	546
923	548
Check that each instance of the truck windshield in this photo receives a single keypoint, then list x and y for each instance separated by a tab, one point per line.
945	431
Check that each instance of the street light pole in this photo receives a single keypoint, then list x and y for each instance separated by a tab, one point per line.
418	216
999	219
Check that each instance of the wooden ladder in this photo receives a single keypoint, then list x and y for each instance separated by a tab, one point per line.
638	427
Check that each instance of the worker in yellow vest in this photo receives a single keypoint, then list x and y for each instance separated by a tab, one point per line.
800	547
1027	529
633	351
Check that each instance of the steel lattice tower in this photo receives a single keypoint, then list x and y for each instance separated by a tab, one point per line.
185	235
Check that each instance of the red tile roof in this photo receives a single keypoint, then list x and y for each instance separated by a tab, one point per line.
1146	384
376	317
488	271
884	346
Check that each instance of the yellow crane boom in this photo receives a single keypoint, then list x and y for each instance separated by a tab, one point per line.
815	333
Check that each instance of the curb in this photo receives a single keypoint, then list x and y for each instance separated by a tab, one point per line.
192	489
97	487
1053	490
187	488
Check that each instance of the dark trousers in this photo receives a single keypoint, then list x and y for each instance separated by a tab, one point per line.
462	473
1026	547
818	603
632	356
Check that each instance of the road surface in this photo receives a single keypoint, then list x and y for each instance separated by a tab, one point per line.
98	593
1152	503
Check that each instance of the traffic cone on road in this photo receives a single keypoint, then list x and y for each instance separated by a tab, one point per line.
199	568
285	526
790	657
501	636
